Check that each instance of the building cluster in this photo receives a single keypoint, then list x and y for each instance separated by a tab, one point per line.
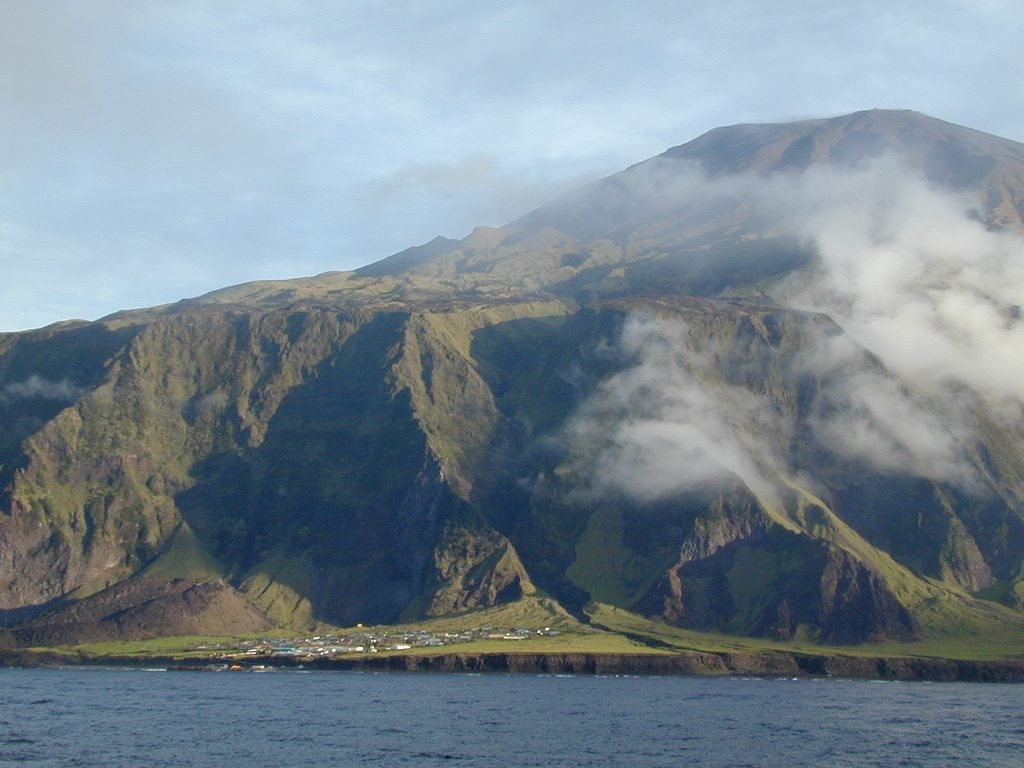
372	642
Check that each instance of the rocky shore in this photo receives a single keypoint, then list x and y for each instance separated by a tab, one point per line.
760	664
775	664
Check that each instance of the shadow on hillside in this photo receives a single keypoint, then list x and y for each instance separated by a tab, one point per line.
335	502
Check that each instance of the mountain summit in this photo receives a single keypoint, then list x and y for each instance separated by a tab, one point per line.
766	383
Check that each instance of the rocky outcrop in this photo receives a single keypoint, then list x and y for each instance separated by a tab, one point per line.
857	605
476	568
768	664
780	585
138	609
775	664
729	519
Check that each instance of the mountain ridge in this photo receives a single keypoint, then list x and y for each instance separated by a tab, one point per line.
428	270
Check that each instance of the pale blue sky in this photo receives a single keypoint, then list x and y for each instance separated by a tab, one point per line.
157	149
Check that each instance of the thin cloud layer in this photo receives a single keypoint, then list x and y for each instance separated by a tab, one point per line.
36	387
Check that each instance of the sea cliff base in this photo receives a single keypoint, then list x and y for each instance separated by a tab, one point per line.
773	664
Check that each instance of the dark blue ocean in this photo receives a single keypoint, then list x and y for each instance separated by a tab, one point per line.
111	718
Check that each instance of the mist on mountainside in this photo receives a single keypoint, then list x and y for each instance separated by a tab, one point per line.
908	270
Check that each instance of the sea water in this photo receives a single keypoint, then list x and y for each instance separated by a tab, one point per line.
113	718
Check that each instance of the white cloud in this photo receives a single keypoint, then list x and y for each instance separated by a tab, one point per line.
907	271
862	412
668	422
36	387
911	274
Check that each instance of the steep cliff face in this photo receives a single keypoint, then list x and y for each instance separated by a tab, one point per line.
741	387
615	499
368	466
308	456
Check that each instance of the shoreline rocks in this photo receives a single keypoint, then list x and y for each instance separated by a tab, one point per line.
768	664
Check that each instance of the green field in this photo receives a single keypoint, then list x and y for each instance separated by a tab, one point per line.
610	630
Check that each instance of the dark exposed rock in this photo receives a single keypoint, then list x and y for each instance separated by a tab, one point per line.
774	664
138	609
857	606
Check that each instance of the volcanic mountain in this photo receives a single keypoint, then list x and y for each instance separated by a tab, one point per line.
766	383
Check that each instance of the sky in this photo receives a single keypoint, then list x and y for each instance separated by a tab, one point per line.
155	150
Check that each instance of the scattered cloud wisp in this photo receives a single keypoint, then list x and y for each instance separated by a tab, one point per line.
36	387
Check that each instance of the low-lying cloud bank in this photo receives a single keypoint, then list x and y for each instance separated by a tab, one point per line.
668	422
913	277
